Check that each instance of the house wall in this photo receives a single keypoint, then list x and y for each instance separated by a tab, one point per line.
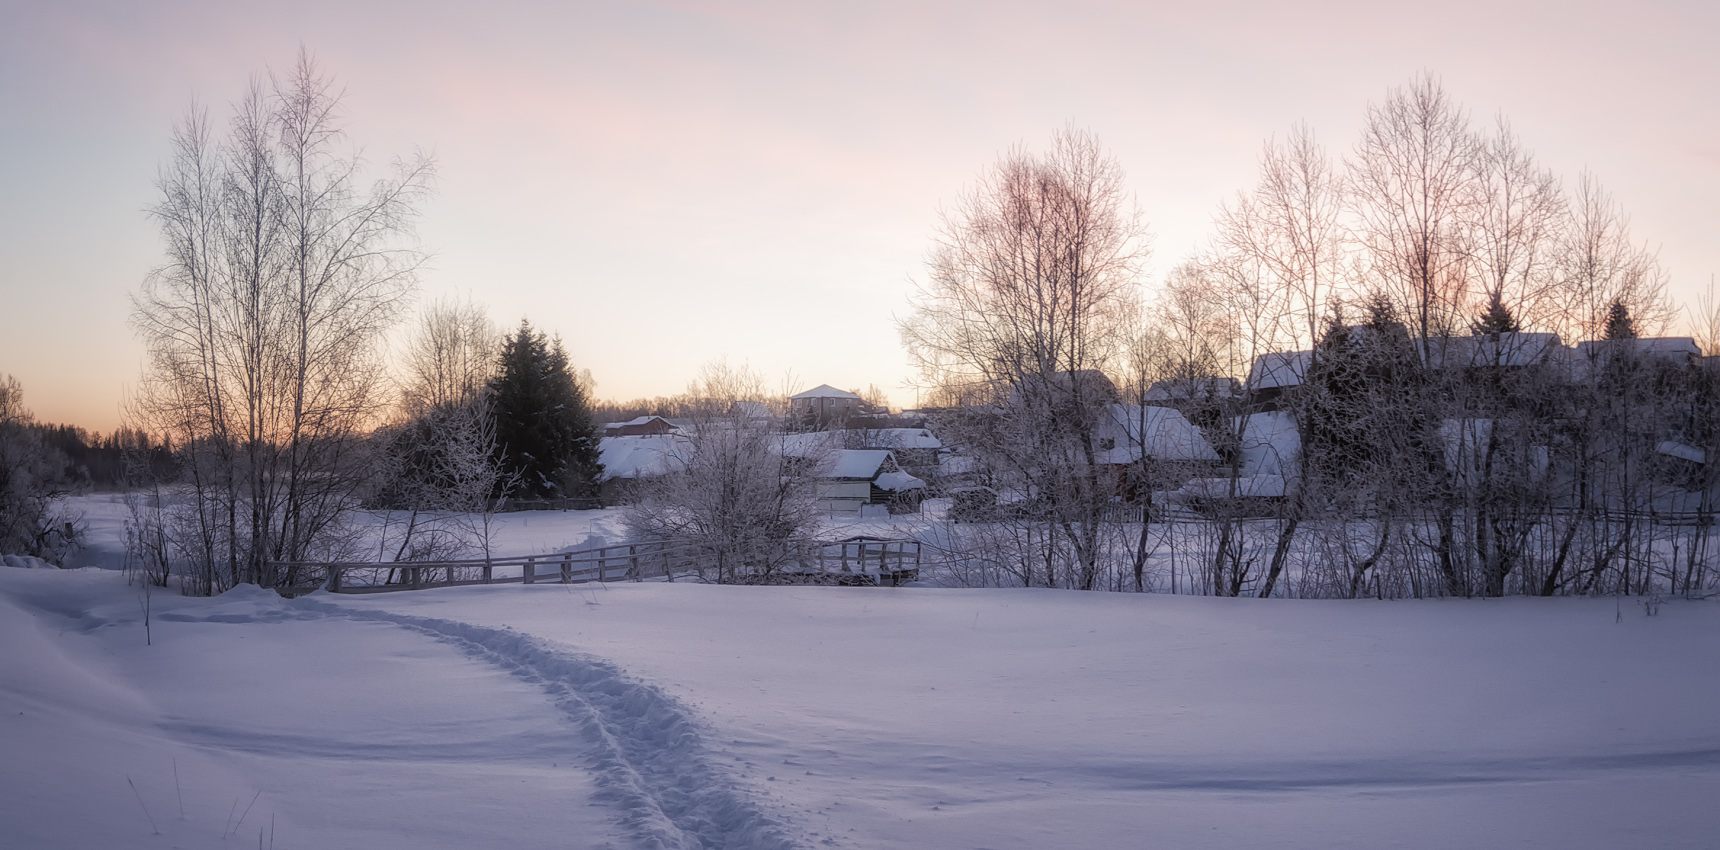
844	496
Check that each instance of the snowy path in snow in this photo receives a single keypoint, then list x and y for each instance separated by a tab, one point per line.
645	748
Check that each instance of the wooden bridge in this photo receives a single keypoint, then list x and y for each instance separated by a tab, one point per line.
855	561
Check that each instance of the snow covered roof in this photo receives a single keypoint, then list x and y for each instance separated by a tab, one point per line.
642	456
858	464
1672	448
1520	348
639	423
1057	387
901	438
1279	369
1185	389
1160	433
898	481
808	444
1676	349
824	391
954	465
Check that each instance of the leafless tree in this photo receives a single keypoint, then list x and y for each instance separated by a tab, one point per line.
1413	191
439	468
263	328
450	357
1291	227
1278	258
438	482
1517	222
730	490
1031	294
1599	264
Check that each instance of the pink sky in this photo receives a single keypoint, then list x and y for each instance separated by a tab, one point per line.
665	184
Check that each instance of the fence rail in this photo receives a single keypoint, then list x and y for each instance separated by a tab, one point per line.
852	561
512	505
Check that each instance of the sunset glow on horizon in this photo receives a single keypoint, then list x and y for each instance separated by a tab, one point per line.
665	184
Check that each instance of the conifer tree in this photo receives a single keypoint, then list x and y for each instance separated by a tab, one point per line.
1497	320
1619	323
545	436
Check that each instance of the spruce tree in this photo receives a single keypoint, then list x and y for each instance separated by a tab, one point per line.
546	441
1619	323
1497	319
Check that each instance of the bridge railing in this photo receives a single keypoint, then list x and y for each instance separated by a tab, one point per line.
873	560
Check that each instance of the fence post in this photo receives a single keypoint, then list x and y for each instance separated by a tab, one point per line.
487	570
334	579
417	576
633	562
567	568
528	571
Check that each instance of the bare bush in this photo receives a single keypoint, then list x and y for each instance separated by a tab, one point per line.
731	491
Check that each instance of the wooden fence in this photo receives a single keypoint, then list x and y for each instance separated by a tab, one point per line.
874	561
512	505
860	560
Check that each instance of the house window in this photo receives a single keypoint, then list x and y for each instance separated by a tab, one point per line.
1107	443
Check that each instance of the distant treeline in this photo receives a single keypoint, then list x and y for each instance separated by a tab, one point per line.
110	461
668	407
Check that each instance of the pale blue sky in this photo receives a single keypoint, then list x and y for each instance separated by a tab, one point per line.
667	183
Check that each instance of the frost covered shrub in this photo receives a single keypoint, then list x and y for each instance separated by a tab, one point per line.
731	492
33	478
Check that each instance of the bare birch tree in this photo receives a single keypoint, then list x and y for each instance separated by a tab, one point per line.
1517	223
1599	264
1031	295
1413	191
450	356
263	328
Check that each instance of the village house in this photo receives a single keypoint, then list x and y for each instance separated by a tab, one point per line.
1150	446
632	459
639	427
824	406
852	480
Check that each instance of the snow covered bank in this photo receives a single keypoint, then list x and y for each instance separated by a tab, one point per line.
706	716
331	732
907	718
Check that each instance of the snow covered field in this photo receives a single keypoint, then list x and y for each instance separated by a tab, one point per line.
684	715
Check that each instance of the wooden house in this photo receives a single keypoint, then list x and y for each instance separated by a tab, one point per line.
850	479
639	427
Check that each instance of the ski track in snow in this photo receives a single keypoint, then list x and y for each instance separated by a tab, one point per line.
645	749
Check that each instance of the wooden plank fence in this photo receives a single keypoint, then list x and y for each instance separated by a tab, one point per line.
864	560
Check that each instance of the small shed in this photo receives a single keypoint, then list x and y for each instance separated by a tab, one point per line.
853	478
